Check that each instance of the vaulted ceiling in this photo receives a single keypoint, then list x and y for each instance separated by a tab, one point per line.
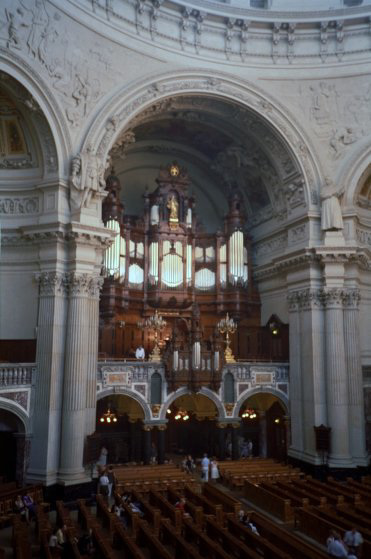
223	146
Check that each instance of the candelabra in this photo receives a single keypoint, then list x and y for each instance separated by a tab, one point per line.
227	326
157	324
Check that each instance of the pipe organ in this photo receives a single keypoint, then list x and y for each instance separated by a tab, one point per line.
164	260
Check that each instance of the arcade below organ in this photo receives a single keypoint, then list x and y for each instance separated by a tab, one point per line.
164	260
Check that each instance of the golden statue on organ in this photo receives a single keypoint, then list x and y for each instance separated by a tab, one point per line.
163	260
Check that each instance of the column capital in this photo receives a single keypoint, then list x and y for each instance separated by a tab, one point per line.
84	285
305	299
333	297
52	283
221	425
351	298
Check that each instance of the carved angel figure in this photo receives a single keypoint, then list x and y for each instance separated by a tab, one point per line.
331	217
87	178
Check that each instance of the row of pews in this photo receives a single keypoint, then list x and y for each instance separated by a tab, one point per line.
235	474
155	477
315	508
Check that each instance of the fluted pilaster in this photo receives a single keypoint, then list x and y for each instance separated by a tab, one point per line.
91	388
77	374
337	382
357	438
45	446
296	395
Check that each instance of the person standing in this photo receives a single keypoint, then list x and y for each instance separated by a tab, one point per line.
214	473
111	479
249	448
104	484
140	353
205	464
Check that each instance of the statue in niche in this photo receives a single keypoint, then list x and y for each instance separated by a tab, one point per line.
173	207
331	217
87	178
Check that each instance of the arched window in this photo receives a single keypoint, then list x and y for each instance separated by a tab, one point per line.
156	388
229	388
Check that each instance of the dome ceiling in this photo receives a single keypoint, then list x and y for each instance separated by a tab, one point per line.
222	145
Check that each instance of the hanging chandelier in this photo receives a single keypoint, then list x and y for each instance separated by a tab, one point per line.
180	414
249	414
108	417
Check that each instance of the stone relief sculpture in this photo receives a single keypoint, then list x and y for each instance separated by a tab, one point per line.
39	25
13	37
86	180
331	217
340	139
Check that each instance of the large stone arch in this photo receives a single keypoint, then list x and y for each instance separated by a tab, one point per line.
183	391
18	411
351	173
269	390
22	72
114	117
124	392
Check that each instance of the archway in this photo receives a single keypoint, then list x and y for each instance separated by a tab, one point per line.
13	462
264	423
119	426
191	427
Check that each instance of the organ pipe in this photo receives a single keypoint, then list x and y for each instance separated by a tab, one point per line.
112	254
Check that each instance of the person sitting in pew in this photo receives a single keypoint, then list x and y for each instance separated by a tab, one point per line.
353	539
85	544
336	547
180	505
244	518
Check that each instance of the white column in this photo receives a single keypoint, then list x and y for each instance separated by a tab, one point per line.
47	402
91	387
78	360
337	381
296	396
312	368
357	436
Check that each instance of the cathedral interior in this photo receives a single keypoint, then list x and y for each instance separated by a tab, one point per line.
185	249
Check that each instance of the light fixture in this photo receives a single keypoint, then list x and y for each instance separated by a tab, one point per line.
227	326
108	417
249	414
168	411
277	420
156	323
182	415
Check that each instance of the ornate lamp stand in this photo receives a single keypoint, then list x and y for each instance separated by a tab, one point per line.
155	323
228	327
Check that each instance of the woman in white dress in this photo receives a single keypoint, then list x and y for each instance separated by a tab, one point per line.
214	470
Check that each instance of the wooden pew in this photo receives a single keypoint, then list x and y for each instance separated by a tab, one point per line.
103	512
205	545
253	541
270	502
145	538
229	541
132	516
182	549
320	490
296	501
195	511
229	504
121	540
208	506
358	518
21	543
286	540
151	514
167	510
303	493
349	494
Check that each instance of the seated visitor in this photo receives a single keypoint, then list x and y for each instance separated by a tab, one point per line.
353	539
335	545
20	507
85	544
30	506
140	353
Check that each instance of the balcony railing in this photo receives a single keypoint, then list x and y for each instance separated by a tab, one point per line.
17	374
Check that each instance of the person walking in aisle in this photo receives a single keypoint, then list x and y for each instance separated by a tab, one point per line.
205	464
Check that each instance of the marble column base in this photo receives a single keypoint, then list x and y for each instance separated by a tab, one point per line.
71	477
40	476
310	458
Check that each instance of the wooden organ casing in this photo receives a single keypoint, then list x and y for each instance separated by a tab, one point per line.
164	260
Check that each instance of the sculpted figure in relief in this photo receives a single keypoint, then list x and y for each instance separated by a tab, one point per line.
39	24
331	217
87	179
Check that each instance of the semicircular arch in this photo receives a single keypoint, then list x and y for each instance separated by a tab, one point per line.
111	119
124	392
18	411
184	391
252	391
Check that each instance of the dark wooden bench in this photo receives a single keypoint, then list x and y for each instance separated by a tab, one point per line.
320	490
270	502
121	540
182	549
253	541
205	545
206	504
229	541
195	511
302	493
167	510
145	538
151	514
229	504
